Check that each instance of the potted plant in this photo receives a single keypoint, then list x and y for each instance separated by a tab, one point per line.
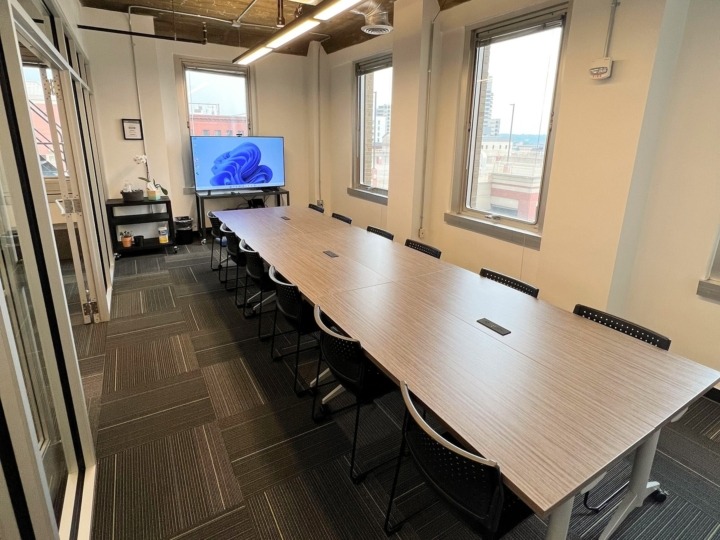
127	239
153	189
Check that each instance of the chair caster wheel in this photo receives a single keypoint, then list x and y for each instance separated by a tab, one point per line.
203	242
659	495
175	249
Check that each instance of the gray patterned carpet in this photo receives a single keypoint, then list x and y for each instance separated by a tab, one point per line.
200	435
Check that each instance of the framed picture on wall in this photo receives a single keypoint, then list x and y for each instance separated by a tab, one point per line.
132	129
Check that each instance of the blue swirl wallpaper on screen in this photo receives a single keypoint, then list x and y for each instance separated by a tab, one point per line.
238	162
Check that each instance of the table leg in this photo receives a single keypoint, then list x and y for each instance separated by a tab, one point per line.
560	521
200	221
639	487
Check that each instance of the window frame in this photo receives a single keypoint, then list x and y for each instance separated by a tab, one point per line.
503	227
710	287
181	65
361	68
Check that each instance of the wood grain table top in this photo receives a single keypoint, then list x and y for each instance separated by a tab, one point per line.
250	223
552	428
555	402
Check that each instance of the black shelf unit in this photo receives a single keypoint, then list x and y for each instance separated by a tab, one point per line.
149	244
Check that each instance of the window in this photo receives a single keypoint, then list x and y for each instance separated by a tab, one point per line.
513	77
374	98
217	99
710	287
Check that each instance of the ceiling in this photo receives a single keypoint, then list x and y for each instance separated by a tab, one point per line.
258	21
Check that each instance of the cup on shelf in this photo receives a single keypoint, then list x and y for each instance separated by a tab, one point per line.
163	237
139	241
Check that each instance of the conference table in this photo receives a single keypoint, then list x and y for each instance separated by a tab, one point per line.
556	402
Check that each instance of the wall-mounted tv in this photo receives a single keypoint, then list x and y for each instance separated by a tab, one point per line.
228	163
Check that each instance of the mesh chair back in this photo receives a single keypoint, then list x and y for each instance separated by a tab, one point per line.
233	248
510	282
254	265
375	230
342	218
621	325
343	354
423	248
471	484
288	299
215	223
316	208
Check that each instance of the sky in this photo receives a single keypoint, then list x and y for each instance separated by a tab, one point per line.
523	73
226	90
383	86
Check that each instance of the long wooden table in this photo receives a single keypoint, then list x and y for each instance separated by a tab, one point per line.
556	402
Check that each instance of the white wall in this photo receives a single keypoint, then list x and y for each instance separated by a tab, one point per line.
280	93
682	216
337	138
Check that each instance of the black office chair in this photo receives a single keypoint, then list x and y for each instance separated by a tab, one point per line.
375	230
316	208
352	369
236	256
423	248
471	484
638	332
621	325
217	237
510	282
256	270
233	254
342	218
297	312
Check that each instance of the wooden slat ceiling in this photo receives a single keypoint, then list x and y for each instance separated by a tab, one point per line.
258	23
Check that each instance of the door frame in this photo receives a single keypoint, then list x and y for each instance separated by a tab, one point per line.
34	226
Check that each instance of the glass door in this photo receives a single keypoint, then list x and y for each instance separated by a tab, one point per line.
59	163
32	360
91	150
41	396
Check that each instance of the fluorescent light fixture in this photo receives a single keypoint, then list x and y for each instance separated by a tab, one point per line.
334	8
291	33
247	58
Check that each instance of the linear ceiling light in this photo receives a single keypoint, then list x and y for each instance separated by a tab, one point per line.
334	8
251	56
291	32
297	28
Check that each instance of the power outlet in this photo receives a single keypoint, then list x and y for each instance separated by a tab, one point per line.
320	202
421	233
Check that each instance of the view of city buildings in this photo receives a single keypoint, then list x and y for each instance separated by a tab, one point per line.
207	119
513	93
40	122
375	150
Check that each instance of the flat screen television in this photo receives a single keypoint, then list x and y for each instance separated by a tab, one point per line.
230	163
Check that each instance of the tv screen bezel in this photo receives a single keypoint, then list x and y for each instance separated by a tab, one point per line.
249	187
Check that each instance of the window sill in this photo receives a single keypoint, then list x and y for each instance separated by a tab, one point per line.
368	195
495	230
709	288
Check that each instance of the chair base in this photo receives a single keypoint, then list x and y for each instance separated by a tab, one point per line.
658	496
